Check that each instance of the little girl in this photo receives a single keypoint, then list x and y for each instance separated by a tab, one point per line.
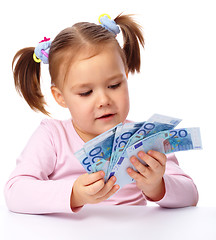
89	72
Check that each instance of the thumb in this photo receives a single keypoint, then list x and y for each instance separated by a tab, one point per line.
88	179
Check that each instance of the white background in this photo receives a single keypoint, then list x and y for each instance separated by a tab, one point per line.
177	76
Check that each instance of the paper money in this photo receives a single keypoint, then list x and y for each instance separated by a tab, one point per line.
169	141
164	142
155	124
122	135
112	150
83	159
99	150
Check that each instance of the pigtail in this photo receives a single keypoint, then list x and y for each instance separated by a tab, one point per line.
27	79
132	36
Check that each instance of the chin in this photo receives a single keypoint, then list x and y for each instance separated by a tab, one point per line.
108	127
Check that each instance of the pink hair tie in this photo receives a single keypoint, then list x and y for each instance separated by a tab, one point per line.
45	40
41	52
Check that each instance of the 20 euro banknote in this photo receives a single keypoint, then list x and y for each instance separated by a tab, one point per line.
164	142
155	124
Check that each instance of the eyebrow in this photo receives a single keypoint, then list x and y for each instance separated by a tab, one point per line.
117	76
83	85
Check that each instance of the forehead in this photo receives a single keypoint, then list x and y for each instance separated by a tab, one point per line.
92	64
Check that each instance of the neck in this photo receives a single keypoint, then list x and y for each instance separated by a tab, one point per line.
83	135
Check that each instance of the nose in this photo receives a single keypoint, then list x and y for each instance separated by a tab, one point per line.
103	99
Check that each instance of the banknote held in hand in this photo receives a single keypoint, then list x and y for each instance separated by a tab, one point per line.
111	151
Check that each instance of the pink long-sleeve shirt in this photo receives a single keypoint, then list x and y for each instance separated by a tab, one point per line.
47	169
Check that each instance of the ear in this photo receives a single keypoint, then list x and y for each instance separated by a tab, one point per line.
57	94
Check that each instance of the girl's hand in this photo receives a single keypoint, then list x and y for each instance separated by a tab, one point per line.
149	179
91	188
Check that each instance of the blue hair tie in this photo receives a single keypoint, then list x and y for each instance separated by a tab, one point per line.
109	24
42	51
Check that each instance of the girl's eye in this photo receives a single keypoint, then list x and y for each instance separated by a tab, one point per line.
85	94
115	86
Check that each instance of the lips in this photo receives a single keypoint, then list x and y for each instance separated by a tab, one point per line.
106	116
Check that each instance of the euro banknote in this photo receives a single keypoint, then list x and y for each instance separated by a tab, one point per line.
155	123
112	150
165	142
99	150
122	135
83	159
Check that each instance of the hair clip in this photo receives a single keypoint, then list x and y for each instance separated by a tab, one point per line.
37	60
45	40
109	24
41	52
102	15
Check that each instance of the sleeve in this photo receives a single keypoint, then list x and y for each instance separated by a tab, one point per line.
29	189
180	188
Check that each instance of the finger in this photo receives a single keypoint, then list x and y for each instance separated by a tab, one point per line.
88	179
153	163
95	187
107	187
160	157
135	175
140	167
114	189
110	193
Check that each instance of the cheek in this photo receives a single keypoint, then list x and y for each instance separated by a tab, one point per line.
123	101
125	98
126	105
80	110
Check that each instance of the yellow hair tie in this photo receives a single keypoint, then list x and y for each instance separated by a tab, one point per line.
102	15
37	60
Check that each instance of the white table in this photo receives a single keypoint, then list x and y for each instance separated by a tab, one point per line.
112	222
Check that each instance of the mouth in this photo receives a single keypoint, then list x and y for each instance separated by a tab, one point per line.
106	116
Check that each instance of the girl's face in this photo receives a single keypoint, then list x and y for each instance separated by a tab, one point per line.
95	92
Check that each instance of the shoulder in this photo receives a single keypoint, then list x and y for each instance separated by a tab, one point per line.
54	125
62	133
55	129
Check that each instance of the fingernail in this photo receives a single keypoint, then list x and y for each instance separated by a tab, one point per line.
102	173
141	154
117	187
129	170
133	159
113	179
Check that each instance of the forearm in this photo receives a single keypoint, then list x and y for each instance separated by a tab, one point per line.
180	191
28	195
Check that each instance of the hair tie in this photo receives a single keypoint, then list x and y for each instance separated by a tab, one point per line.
41	52
109	24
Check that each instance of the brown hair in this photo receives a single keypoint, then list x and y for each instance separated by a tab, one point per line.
65	46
